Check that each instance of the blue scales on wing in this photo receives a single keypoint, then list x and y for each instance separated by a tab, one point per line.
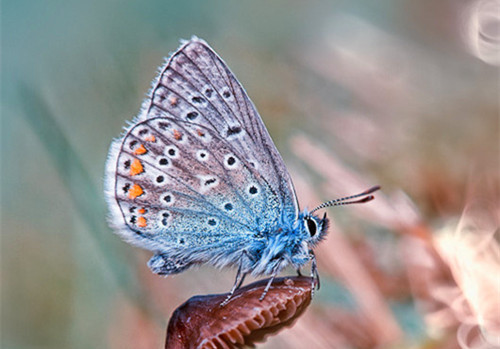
196	177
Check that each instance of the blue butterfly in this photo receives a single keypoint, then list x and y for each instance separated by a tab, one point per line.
197	179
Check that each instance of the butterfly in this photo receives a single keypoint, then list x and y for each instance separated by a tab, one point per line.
197	179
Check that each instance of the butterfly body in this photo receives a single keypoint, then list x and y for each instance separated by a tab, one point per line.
197	179
260	253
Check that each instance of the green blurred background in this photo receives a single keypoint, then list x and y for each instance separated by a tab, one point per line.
400	75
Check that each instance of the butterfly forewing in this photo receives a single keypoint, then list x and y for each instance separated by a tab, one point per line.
238	106
197	170
205	83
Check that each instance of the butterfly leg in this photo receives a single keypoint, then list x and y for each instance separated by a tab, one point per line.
268	286
314	273
299	273
244	254
237	283
241	280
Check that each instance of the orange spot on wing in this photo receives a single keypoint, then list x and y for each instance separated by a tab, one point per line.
141	222
140	150
136	167
177	135
141	210
173	101
135	191
200	133
150	138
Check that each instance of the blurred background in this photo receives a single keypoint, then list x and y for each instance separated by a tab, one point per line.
402	93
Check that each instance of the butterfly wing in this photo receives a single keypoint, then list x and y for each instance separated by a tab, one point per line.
196	176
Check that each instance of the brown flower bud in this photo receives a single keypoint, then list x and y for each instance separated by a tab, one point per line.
202	322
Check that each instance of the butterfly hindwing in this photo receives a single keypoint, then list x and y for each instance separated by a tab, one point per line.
172	188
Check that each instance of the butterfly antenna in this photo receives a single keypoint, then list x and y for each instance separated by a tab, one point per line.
365	197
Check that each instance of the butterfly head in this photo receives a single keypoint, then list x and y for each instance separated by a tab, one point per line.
313	227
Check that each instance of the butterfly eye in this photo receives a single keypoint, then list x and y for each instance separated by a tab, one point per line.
312	227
